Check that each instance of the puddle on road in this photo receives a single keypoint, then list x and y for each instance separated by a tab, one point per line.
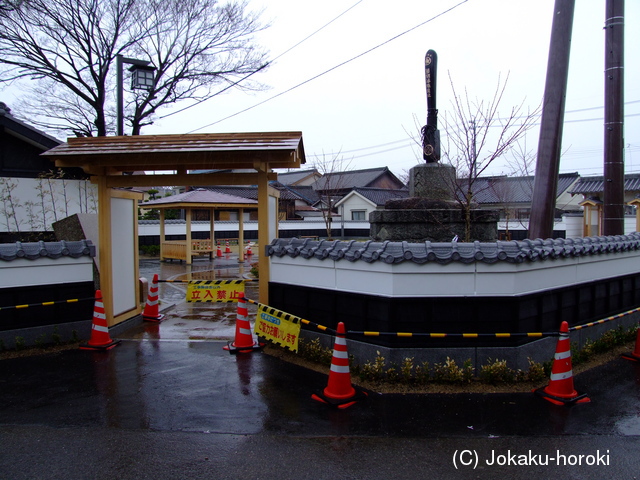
629	425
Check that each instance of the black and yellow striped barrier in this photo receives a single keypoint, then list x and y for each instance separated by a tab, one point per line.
457	335
604	320
302	320
463	335
46	304
201	281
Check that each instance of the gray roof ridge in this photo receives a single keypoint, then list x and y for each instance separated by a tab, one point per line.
33	250
528	250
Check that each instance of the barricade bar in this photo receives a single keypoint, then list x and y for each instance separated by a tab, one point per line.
206	282
46	304
604	320
464	335
449	335
302	320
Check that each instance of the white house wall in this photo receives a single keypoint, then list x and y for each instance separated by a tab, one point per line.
357	202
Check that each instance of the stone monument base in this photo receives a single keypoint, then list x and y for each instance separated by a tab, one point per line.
431	212
432	224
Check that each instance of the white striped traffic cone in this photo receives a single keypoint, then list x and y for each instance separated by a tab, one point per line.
339	392
560	390
100	339
244	341
635	355
227	249
150	312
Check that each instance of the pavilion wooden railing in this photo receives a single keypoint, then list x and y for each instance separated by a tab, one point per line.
177	249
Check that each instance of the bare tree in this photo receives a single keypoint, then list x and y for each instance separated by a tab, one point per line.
330	185
70	47
476	135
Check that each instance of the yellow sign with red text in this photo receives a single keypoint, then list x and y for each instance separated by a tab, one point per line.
279	327
215	290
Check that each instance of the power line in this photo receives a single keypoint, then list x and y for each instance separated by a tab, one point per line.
332	68
408	142
264	66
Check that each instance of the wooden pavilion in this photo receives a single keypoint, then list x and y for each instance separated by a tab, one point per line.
109	160
199	199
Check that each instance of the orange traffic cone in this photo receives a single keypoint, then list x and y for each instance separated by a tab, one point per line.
100	339
218	250
244	341
339	391
635	355
227	249
560	390
249	252
150	312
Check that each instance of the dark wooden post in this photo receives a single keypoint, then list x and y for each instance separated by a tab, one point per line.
550	142
613	221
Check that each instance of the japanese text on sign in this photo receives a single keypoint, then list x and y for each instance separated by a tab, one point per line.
215	291
279	327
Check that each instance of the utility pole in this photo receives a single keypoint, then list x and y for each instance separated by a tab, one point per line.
613	220
545	185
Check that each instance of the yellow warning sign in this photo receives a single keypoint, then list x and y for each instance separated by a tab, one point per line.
279	327
215	290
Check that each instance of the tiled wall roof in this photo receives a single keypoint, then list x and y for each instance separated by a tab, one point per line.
31	251
446	252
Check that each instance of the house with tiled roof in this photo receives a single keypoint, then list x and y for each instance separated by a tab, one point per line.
341	183
296	202
357	204
593	187
589	191
299	178
513	195
21	146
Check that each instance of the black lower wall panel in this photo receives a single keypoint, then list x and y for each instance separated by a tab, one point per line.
36	315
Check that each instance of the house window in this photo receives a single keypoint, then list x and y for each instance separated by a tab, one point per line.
358	214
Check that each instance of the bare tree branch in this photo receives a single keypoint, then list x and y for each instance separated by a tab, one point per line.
476	135
331	184
71	46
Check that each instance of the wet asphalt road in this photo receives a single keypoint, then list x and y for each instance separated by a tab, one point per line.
169	402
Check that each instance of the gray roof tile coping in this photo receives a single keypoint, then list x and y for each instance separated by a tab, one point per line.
445	252
32	251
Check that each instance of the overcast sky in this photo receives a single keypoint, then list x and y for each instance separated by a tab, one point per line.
368	109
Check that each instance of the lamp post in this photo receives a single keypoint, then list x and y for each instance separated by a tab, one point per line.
142	77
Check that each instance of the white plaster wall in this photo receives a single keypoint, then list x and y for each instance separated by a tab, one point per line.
408	279
45	271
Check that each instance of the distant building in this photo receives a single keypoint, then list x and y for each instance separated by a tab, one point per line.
361	201
341	183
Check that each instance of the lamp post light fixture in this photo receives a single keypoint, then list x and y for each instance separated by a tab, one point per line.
142	77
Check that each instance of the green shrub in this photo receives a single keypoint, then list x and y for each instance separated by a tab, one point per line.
406	370
374	371
41	341
314	351
55	336
254	270
450	372
496	371
423	373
